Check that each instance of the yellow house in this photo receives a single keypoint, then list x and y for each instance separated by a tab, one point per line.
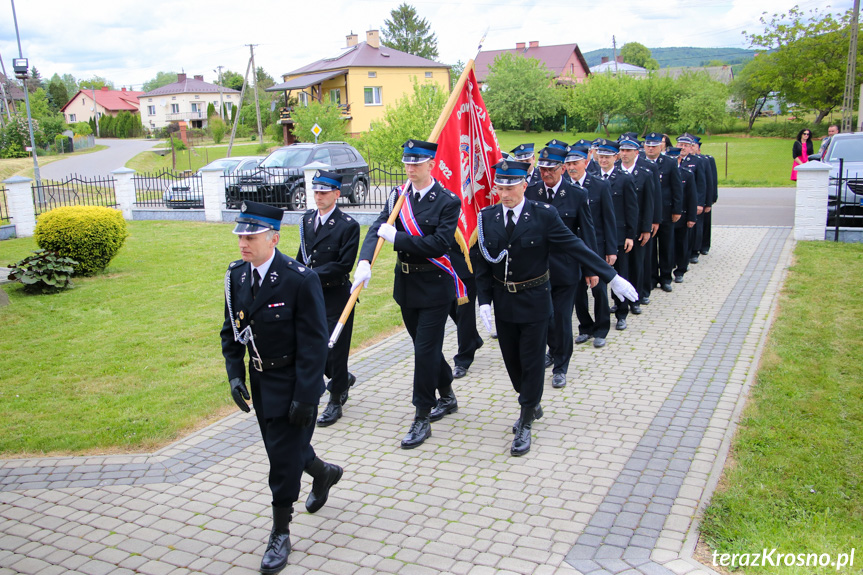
363	80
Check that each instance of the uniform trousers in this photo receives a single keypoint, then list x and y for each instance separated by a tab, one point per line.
336	369
665	250
290	451
560	328
431	370
599	324
622	267
705	234
636	256
464	316
682	236
697	233
522	346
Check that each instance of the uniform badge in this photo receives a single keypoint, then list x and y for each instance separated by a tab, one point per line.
274	276
504	165
243	278
521	147
544	153
562	193
241	314
243	207
410	144
238	323
432	196
232	264
318	174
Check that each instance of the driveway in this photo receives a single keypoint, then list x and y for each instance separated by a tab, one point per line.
99	163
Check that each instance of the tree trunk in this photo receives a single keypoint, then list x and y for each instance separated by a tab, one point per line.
821	114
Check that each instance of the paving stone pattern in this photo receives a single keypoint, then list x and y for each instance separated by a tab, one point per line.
622	460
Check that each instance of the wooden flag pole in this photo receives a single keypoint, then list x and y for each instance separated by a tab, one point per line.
435	134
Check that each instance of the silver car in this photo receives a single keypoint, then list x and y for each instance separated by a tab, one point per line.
848	148
188	193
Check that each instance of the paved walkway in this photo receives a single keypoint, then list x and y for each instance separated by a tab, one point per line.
623	460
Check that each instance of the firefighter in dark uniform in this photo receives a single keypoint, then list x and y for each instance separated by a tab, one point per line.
422	288
712	198
329	241
571	203
625	201
690	160
688	218
525	153
605	226
464	316
274	307
672	206
516	238
643	178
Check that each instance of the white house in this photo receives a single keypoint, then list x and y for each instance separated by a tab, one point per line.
184	100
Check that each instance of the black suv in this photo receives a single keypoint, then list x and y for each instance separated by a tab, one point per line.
279	179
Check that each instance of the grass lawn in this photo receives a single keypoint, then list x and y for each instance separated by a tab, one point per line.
130	360
795	476
752	162
191	159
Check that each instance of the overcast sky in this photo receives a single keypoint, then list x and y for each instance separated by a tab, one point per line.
129	42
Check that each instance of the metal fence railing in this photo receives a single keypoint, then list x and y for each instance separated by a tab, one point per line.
844	201
167	188
280	187
4	207
74	191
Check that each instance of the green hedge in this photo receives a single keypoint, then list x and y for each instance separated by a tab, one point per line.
91	235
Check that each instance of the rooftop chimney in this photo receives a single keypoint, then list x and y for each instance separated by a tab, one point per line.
123	88
604	60
199	77
519	45
352	39
373	38
533	44
620	59
181	77
105	88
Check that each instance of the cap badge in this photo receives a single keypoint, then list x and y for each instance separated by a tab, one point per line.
410	144
318	174
504	165
243	207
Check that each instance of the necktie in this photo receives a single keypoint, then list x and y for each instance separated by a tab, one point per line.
510	223
318	223
256	283
550	193
604	176
416	197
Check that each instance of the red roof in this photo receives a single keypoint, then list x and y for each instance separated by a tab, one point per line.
554	58
111	100
365	56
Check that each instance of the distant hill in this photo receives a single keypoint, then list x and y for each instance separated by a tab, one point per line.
668	57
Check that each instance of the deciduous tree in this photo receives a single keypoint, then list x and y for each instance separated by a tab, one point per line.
601	97
326	115
638	55
519	91
161	79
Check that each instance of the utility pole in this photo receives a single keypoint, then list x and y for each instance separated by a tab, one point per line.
614	52
239	107
851	73
36	175
96	113
221	102
10	106
257	105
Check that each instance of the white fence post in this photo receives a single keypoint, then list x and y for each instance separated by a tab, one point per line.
124	190
19	199
810	213
214	193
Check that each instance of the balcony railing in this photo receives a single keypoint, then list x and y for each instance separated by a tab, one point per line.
186	116
285	113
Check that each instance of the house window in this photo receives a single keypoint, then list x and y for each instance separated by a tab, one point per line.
72	118
373	96
303	99
196	107
151	110
173	97
336	96
572	69
428	74
197	97
175	108
373	74
149	99
228	106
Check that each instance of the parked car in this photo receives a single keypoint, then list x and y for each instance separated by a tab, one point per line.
188	193
848	147
279	180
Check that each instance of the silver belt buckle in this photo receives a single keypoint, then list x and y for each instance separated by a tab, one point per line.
257	364
511	288
405	268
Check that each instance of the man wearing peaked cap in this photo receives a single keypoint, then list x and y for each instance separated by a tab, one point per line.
516	237
712	198
571	202
661	261
690	160
525	153
329	241
274	308
425	284
683	226
645	179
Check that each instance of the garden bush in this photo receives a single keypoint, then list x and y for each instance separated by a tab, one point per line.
44	272
91	235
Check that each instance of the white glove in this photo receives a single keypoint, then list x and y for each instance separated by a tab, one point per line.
485	316
387	232
362	275
623	289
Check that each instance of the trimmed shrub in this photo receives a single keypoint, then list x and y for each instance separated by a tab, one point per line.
91	235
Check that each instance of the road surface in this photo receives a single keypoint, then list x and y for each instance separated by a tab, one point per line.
99	163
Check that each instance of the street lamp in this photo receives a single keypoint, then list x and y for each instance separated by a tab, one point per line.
20	65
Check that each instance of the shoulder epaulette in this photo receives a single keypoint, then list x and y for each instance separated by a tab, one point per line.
234	264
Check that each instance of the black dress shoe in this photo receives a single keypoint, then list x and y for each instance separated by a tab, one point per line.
678	279
420	430
693	260
599	342
279	545
558	380
705	252
325	476
332	413
343	398
645	300
666	287
537	414
445	405
459	372
621	324
549	361
521	441
582	337
635	308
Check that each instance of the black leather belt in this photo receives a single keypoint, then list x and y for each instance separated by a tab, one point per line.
416	268
515	287
275	363
333	283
